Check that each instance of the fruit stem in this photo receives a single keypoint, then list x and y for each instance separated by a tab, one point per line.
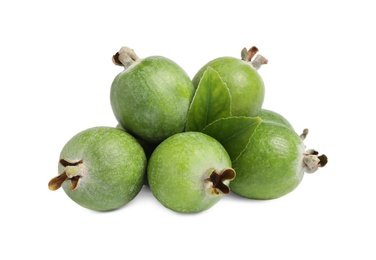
125	57
304	134
256	63
216	181
247	55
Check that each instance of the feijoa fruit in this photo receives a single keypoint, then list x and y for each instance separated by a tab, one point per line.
273	163
150	98
245	84
189	172
101	168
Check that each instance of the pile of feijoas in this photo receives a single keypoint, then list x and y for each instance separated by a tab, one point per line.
191	141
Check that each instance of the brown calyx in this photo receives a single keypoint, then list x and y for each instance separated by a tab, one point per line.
312	161
217	180
249	56
311	158
71	172
125	57
115	59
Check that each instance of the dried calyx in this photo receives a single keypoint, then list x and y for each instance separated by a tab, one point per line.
73	171
215	182
125	57
257	62
311	158
312	161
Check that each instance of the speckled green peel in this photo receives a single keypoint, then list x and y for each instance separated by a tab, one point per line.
243	81
151	97
188	172
101	168
274	163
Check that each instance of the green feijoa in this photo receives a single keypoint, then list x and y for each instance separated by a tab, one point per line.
101	168
148	147
189	172
150	98
245	84
274	163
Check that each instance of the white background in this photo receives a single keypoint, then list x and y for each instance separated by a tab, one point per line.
56	73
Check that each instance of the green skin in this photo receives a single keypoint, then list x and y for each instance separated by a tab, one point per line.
272	164
148	149
178	168
112	170
272	116
244	83
150	99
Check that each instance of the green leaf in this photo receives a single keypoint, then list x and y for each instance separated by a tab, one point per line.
234	133
211	101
